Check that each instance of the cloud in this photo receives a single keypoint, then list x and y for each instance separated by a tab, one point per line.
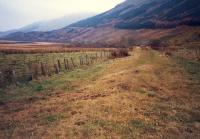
15	13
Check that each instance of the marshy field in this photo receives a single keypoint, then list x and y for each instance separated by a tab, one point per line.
94	93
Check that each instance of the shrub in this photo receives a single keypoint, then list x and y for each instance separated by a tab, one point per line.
38	88
121	52
157	44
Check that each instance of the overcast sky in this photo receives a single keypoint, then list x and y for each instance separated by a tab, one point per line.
17	13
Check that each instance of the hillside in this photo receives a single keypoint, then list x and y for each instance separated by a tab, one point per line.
131	21
112	36
134	14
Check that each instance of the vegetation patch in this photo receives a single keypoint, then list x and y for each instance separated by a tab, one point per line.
52	118
38	88
120	52
140	90
151	93
192	67
137	123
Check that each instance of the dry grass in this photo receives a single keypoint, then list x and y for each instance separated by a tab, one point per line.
32	48
146	95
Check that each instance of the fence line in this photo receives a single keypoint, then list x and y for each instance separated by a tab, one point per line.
34	70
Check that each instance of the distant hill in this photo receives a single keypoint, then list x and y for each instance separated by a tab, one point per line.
5	33
50	25
55	24
137	21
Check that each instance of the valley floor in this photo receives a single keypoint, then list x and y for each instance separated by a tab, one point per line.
146	95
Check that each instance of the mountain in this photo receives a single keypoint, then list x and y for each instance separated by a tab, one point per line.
5	33
136	21
50	25
55	24
135	14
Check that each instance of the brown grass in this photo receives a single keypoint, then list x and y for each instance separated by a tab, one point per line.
45	48
146	95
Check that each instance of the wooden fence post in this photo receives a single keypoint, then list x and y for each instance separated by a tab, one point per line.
86	61
73	62
43	70
59	65
36	58
35	71
48	69
96	57
14	77
109	55
66	65
91	59
81	60
56	68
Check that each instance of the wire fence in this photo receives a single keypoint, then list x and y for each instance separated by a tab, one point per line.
18	69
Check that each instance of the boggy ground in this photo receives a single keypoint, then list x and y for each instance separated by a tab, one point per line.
146	95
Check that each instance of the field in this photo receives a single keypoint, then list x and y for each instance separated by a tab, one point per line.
149	94
43	47
26	60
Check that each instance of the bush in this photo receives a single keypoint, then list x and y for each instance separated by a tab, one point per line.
157	44
121	52
38	88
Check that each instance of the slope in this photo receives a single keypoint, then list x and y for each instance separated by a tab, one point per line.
134	14
135	21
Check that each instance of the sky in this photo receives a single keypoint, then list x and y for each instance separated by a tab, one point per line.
18	13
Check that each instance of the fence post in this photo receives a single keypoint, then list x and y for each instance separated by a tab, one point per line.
36	58
59	65
91	59
14	77
65	63
48	69
68	65
35	71
87	59
73	62
43	70
81	62
56	68
96	57
108	54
